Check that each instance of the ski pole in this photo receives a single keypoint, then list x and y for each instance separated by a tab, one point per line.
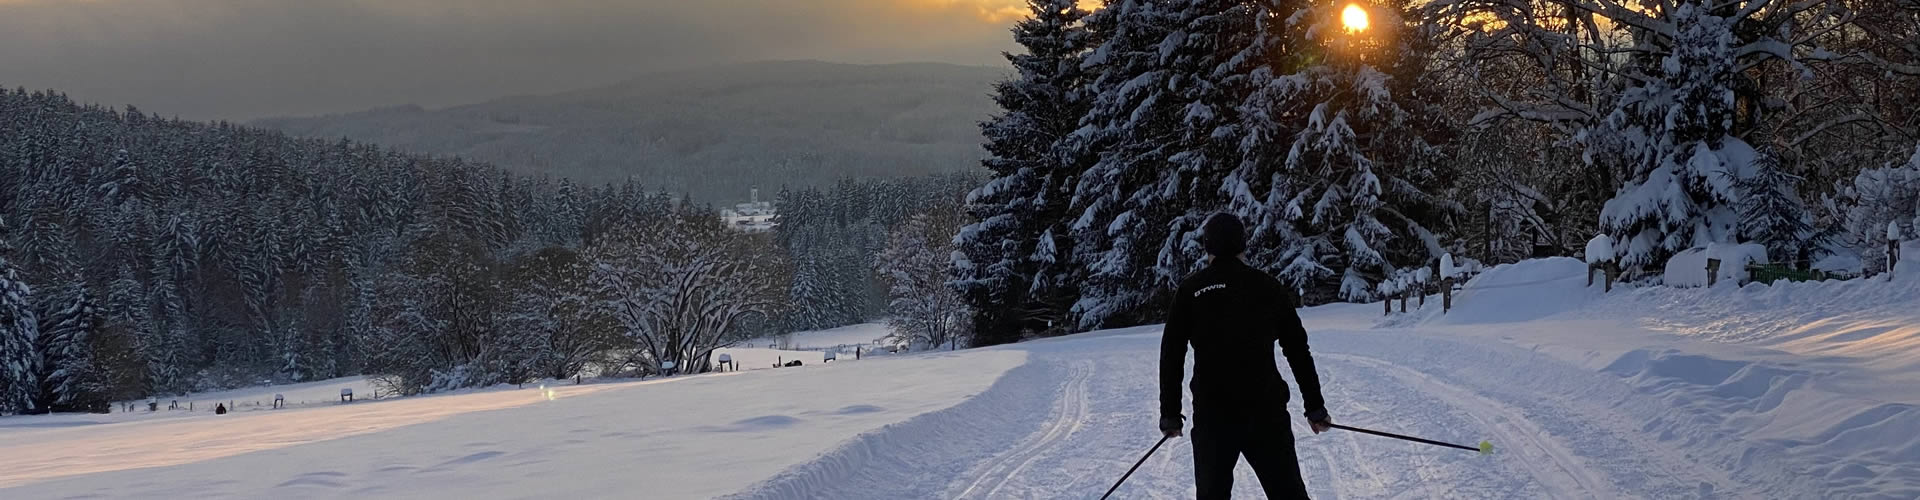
1486	447
1136	466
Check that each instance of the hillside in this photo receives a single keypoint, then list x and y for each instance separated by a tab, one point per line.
712	132
1633	394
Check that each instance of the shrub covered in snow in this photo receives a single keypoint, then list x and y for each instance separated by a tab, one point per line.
1882	203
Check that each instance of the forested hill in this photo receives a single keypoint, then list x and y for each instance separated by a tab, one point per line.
145	256
149	255
711	132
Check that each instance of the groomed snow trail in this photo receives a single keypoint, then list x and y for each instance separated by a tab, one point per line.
1067	418
1084	409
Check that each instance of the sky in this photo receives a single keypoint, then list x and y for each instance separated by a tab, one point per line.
245	59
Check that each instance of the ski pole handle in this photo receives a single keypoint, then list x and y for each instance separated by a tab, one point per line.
1485	447
1136	466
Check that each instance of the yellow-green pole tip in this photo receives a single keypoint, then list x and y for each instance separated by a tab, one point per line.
1486	447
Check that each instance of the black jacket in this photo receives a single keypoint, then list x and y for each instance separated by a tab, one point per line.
1232	314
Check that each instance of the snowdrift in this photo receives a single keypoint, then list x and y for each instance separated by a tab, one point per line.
1522	291
1820	373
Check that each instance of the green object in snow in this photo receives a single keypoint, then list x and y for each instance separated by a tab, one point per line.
1486	447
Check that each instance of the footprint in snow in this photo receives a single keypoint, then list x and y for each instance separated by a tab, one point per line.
859	409
472	458
325	479
764	423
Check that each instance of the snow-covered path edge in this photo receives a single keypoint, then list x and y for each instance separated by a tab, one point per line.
950	440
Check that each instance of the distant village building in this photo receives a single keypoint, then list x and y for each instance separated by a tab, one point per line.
753	216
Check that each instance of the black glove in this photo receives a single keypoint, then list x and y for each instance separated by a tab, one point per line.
1171	425
1319	421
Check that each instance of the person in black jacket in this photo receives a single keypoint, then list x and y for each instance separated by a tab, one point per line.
1232	314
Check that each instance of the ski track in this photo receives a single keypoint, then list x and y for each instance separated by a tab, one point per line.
1066	419
1087	412
1508	425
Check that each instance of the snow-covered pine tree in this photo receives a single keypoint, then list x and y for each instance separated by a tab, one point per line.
69	379
19	338
1771	212
1342	154
999	257
1672	129
1167	79
1879	197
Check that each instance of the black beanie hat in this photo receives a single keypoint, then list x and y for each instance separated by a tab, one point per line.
1224	235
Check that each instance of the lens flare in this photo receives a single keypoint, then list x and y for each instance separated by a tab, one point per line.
1354	17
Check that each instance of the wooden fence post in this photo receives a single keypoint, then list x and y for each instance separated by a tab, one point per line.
1893	254
1608	271
1713	272
1388	302
1403	301
1446	295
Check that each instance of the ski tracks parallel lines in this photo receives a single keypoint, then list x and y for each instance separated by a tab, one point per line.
1066	418
1502	421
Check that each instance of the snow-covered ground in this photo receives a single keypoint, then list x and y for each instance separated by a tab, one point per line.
1790	391
862	334
810	348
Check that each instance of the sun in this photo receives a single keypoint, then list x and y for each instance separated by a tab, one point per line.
1354	17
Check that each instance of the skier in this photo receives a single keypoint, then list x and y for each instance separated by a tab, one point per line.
1232	314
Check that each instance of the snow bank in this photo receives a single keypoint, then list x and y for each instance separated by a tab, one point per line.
1689	267
1909	265
1843	262
1521	291
1813	380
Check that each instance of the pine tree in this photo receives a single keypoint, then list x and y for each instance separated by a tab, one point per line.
997	266
70	379
1343	157
1879	197
1771	212
19	339
1168	79
1672	137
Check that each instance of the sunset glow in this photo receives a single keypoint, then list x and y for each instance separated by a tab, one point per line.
993	11
1354	17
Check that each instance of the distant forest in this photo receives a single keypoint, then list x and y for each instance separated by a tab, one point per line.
143	256
710	133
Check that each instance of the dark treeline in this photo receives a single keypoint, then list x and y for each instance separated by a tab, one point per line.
1492	130
146	256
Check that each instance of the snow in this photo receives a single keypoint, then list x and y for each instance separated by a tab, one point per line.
1845	262
1794	390
683	437
1893	231
1446	267
810	348
865	333
323	392
1600	249
1689	267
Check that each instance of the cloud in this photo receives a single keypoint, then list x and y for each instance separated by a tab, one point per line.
239	59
